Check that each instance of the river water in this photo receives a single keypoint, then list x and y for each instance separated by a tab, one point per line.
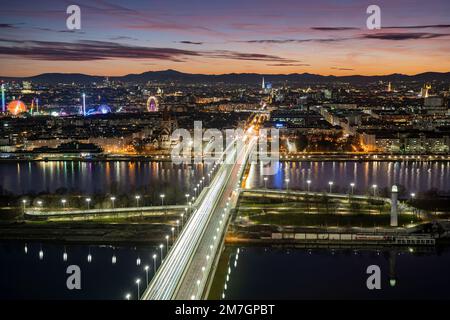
277	273
414	176
260	273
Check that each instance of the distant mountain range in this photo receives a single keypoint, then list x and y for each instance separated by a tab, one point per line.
172	75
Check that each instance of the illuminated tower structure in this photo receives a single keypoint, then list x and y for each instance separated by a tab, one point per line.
424	92
3	98
84	104
427	89
389	88
394	206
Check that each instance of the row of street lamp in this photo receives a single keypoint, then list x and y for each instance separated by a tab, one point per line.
188	211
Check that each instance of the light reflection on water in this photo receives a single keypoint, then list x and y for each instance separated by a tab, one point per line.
38	271
99	177
288	273
415	176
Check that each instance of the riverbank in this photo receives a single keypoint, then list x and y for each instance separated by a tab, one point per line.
89	233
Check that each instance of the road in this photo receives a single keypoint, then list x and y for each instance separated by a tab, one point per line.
181	276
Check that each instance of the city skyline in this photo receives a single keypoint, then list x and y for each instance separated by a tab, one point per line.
214	37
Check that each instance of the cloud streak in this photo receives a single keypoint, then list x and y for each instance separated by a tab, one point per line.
89	50
405	36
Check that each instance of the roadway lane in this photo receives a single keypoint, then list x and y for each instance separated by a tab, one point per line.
170	273
195	279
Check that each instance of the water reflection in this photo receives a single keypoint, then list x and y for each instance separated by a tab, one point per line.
38	271
302	273
98	177
415	176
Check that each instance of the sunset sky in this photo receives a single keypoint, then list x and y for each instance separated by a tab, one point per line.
212	37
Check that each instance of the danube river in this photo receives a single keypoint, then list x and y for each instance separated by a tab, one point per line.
287	273
113	177
38	271
414	176
126	176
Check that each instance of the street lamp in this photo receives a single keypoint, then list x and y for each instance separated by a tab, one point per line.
161	246
154	263
112	200
138	281
374	187
178	224
39	203
308	182
167	242
198	287
24	203
127	296
330	183
187	197
137	200
162	196
173	234
265	182
195	191
352	186
63	201
182	219
146	273
88	201
287	184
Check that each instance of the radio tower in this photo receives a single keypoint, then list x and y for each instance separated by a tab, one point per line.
3	98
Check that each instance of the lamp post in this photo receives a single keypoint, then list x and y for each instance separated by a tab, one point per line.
146	273
178	224
112	201
308	182
167	242
162	196
138	197
330	183
374	187
352	187
24	203
154	263
63	201
138	281
88	201
287	184
173	234
127	296
39	203
413	195
265	182
161	246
